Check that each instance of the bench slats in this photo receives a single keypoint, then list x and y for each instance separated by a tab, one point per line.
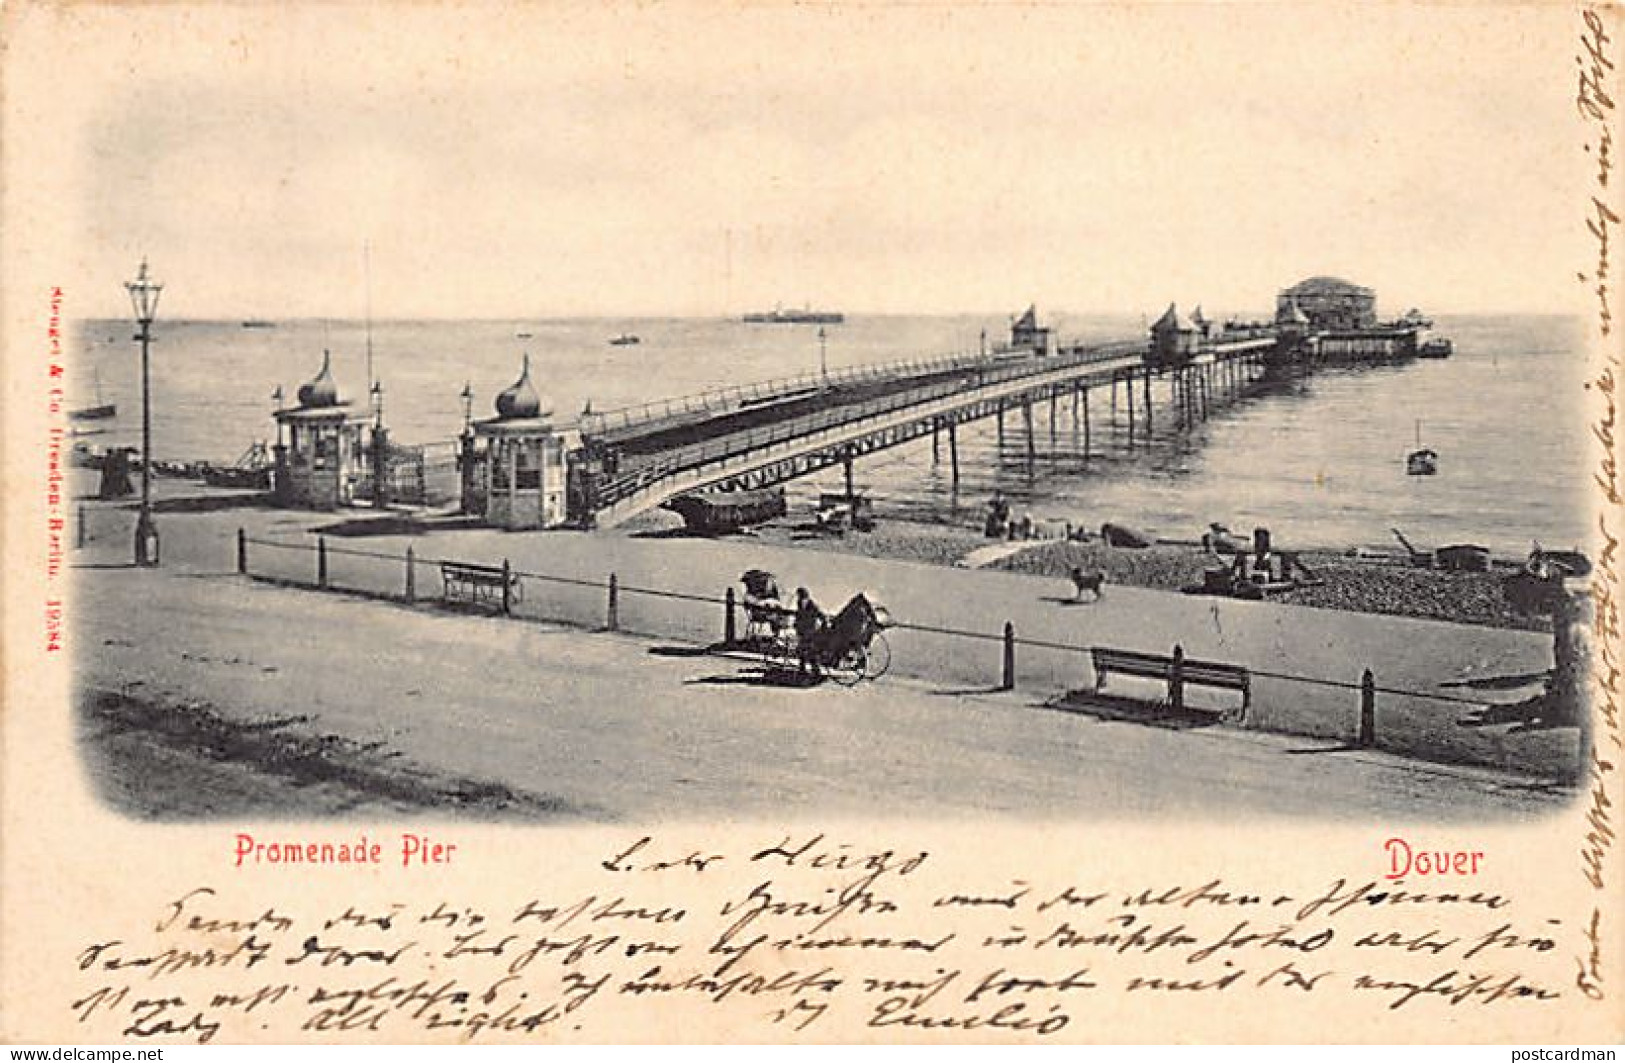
1212	674
476	582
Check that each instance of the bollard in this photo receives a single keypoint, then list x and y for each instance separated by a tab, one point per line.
1007	681
728	632
321	562
507	588
1368	710
613	622
242	552
411	576
1176	679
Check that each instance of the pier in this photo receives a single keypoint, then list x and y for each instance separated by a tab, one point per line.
525	468
760	436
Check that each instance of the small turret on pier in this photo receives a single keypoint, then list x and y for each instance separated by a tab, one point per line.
516	463
1175	340
319	450
1026	332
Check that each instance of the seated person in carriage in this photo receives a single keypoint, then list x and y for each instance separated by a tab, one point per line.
766	615
810	624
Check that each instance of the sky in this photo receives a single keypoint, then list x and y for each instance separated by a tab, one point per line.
524	162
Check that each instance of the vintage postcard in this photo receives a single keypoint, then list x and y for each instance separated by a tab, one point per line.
546	523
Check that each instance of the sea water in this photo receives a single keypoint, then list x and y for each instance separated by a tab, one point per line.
1320	460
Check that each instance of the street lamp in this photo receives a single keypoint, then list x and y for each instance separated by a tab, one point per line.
380	449
144	299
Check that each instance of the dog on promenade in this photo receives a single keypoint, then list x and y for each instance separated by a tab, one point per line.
1093	581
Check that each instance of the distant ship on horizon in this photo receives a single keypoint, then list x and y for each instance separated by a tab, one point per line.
805	316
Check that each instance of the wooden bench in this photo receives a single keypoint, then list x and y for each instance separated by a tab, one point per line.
478	583
1178	671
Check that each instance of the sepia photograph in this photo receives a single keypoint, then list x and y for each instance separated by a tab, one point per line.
435	423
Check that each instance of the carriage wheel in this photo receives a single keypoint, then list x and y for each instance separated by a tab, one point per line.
879	657
778	654
850	669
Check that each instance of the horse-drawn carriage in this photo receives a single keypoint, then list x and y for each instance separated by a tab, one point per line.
848	647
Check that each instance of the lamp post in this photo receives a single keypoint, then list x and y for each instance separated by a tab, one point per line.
465	451
144	294
823	363
380	449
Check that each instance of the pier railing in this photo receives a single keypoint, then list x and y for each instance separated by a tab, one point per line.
1354	709
722	399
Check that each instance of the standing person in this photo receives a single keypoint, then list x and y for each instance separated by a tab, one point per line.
810	621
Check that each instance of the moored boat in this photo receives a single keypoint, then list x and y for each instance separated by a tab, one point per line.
99	412
1422	462
1436	348
625	339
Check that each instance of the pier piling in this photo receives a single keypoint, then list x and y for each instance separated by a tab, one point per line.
1086	422
242	548
1130	390
1150	429
1027	422
953	453
612	619
729	631
321	562
411	576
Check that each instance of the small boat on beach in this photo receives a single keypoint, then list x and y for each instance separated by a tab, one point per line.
721	512
625	339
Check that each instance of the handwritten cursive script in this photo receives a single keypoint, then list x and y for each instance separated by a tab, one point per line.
805	934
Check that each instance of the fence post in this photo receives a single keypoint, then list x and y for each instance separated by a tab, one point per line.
411	576
1007	680
1176	679
614	621
728	632
242	552
321	562
1368	710
507	588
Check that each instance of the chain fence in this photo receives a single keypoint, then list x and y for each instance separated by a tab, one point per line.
1358	711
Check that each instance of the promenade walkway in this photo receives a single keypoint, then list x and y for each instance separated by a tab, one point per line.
1454	661
619	727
